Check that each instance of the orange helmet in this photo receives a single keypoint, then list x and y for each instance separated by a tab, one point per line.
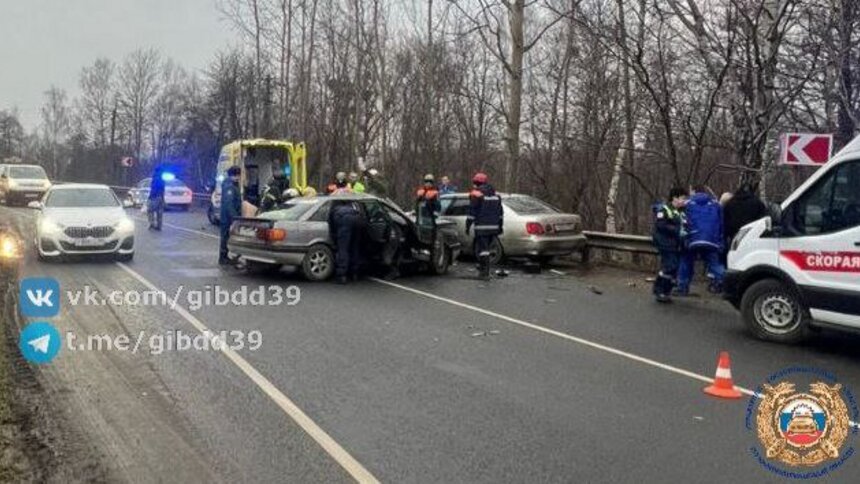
480	178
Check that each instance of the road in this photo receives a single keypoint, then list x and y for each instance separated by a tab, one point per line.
529	378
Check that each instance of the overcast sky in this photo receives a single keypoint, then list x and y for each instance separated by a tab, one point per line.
45	42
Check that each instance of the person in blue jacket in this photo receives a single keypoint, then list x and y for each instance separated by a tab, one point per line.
669	233
705	241
231	208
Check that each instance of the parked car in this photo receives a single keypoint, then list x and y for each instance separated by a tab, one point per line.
532	228
298	235
20	184
176	194
82	219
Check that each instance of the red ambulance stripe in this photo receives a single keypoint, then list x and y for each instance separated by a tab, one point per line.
848	262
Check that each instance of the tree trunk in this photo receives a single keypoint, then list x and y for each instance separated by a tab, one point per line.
515	95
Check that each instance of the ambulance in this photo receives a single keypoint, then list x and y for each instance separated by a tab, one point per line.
799	268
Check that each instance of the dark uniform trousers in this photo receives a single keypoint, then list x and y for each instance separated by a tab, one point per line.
346	221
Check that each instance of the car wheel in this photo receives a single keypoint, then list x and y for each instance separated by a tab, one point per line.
440	259
497	252
210	213
773	311
318	264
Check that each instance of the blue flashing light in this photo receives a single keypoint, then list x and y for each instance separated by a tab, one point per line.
167	176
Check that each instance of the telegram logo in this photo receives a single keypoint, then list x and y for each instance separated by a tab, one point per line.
39	342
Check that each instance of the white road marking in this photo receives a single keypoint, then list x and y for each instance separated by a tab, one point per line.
575	339
183	229
338	453
559	334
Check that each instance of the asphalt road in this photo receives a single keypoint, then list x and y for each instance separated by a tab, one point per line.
529	378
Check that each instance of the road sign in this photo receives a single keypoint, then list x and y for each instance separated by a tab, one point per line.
805	149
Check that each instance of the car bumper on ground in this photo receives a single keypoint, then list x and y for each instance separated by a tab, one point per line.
732	287
291	256
537	245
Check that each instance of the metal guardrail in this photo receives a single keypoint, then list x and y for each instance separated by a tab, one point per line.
636	244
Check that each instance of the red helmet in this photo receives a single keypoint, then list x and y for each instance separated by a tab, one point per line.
480	178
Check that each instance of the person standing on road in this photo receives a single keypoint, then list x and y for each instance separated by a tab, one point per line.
231	208
446	188
274	193
345	227
743	208
486	216
155	202
427	203
355	184
340	185
669	240
705	241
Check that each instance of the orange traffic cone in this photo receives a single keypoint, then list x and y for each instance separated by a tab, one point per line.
723	386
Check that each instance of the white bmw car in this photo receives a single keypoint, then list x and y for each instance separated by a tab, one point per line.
82	219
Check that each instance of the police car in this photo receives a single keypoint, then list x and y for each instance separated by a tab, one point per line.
800	267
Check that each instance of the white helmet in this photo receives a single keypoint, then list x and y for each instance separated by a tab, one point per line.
291	193
373	172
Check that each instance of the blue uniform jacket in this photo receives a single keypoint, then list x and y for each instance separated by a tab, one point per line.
705	221
231	201
486	214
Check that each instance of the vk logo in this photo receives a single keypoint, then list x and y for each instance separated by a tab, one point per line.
39	297
39	342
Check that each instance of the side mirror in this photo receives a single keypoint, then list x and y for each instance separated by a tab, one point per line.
126	203
36	205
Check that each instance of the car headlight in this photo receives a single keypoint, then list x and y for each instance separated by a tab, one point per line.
125	225
48	226
13	184
739	237
46	184
9	247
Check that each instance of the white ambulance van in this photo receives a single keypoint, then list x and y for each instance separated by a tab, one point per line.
799	268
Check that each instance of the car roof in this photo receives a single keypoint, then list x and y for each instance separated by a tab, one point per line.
69	186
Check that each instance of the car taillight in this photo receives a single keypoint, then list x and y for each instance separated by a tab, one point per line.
534	228
271	235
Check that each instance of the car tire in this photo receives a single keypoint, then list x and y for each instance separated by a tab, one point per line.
125	257
210	214
440	258
318	263
497	252
774	311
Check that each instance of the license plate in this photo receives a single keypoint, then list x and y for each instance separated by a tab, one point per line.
88	242
178	194
564	227
247	231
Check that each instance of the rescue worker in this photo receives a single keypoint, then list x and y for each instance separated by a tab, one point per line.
427	200
705	241
340	185
668	235
355	184
345	227
487	217
375	183
231	208
155	203
273	195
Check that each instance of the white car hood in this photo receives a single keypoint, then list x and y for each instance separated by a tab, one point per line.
83	217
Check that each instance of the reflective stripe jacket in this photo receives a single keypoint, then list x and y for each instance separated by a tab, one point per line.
668	227
485	211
